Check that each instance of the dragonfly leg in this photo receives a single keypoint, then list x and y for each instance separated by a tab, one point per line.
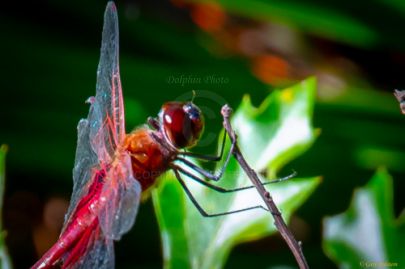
199	207
224	190
212	176
216	176
208	157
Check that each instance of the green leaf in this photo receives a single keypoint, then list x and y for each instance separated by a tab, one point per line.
367	234
4	259
277	131
280	128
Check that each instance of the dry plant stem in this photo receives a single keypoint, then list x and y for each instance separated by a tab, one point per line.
278	219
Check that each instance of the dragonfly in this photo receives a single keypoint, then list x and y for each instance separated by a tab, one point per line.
112	169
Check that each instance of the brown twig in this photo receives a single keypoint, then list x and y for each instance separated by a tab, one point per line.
278	219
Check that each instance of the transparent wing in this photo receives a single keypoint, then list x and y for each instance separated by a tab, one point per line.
99	253
122	194
103	130
106	116
85	160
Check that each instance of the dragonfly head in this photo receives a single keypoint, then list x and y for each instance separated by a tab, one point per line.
182	123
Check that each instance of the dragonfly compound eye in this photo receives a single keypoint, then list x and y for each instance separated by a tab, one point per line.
183	123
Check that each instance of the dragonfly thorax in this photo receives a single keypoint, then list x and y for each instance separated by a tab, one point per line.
149	157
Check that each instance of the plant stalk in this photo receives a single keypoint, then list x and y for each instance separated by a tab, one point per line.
281	226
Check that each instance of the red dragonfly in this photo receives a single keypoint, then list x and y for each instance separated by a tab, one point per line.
112	168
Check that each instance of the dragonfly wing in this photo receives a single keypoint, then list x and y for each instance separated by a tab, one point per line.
99	254
103	130
106	116
84	161
122	193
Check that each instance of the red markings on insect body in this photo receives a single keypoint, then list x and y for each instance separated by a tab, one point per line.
92	195
82	218
80	247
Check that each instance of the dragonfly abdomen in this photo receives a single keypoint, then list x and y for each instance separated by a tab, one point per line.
83	220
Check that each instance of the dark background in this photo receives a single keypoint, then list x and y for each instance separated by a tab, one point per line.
49	56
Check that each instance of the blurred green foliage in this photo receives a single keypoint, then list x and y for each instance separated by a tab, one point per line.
310	17
193	241
50	54
367	233
335	20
